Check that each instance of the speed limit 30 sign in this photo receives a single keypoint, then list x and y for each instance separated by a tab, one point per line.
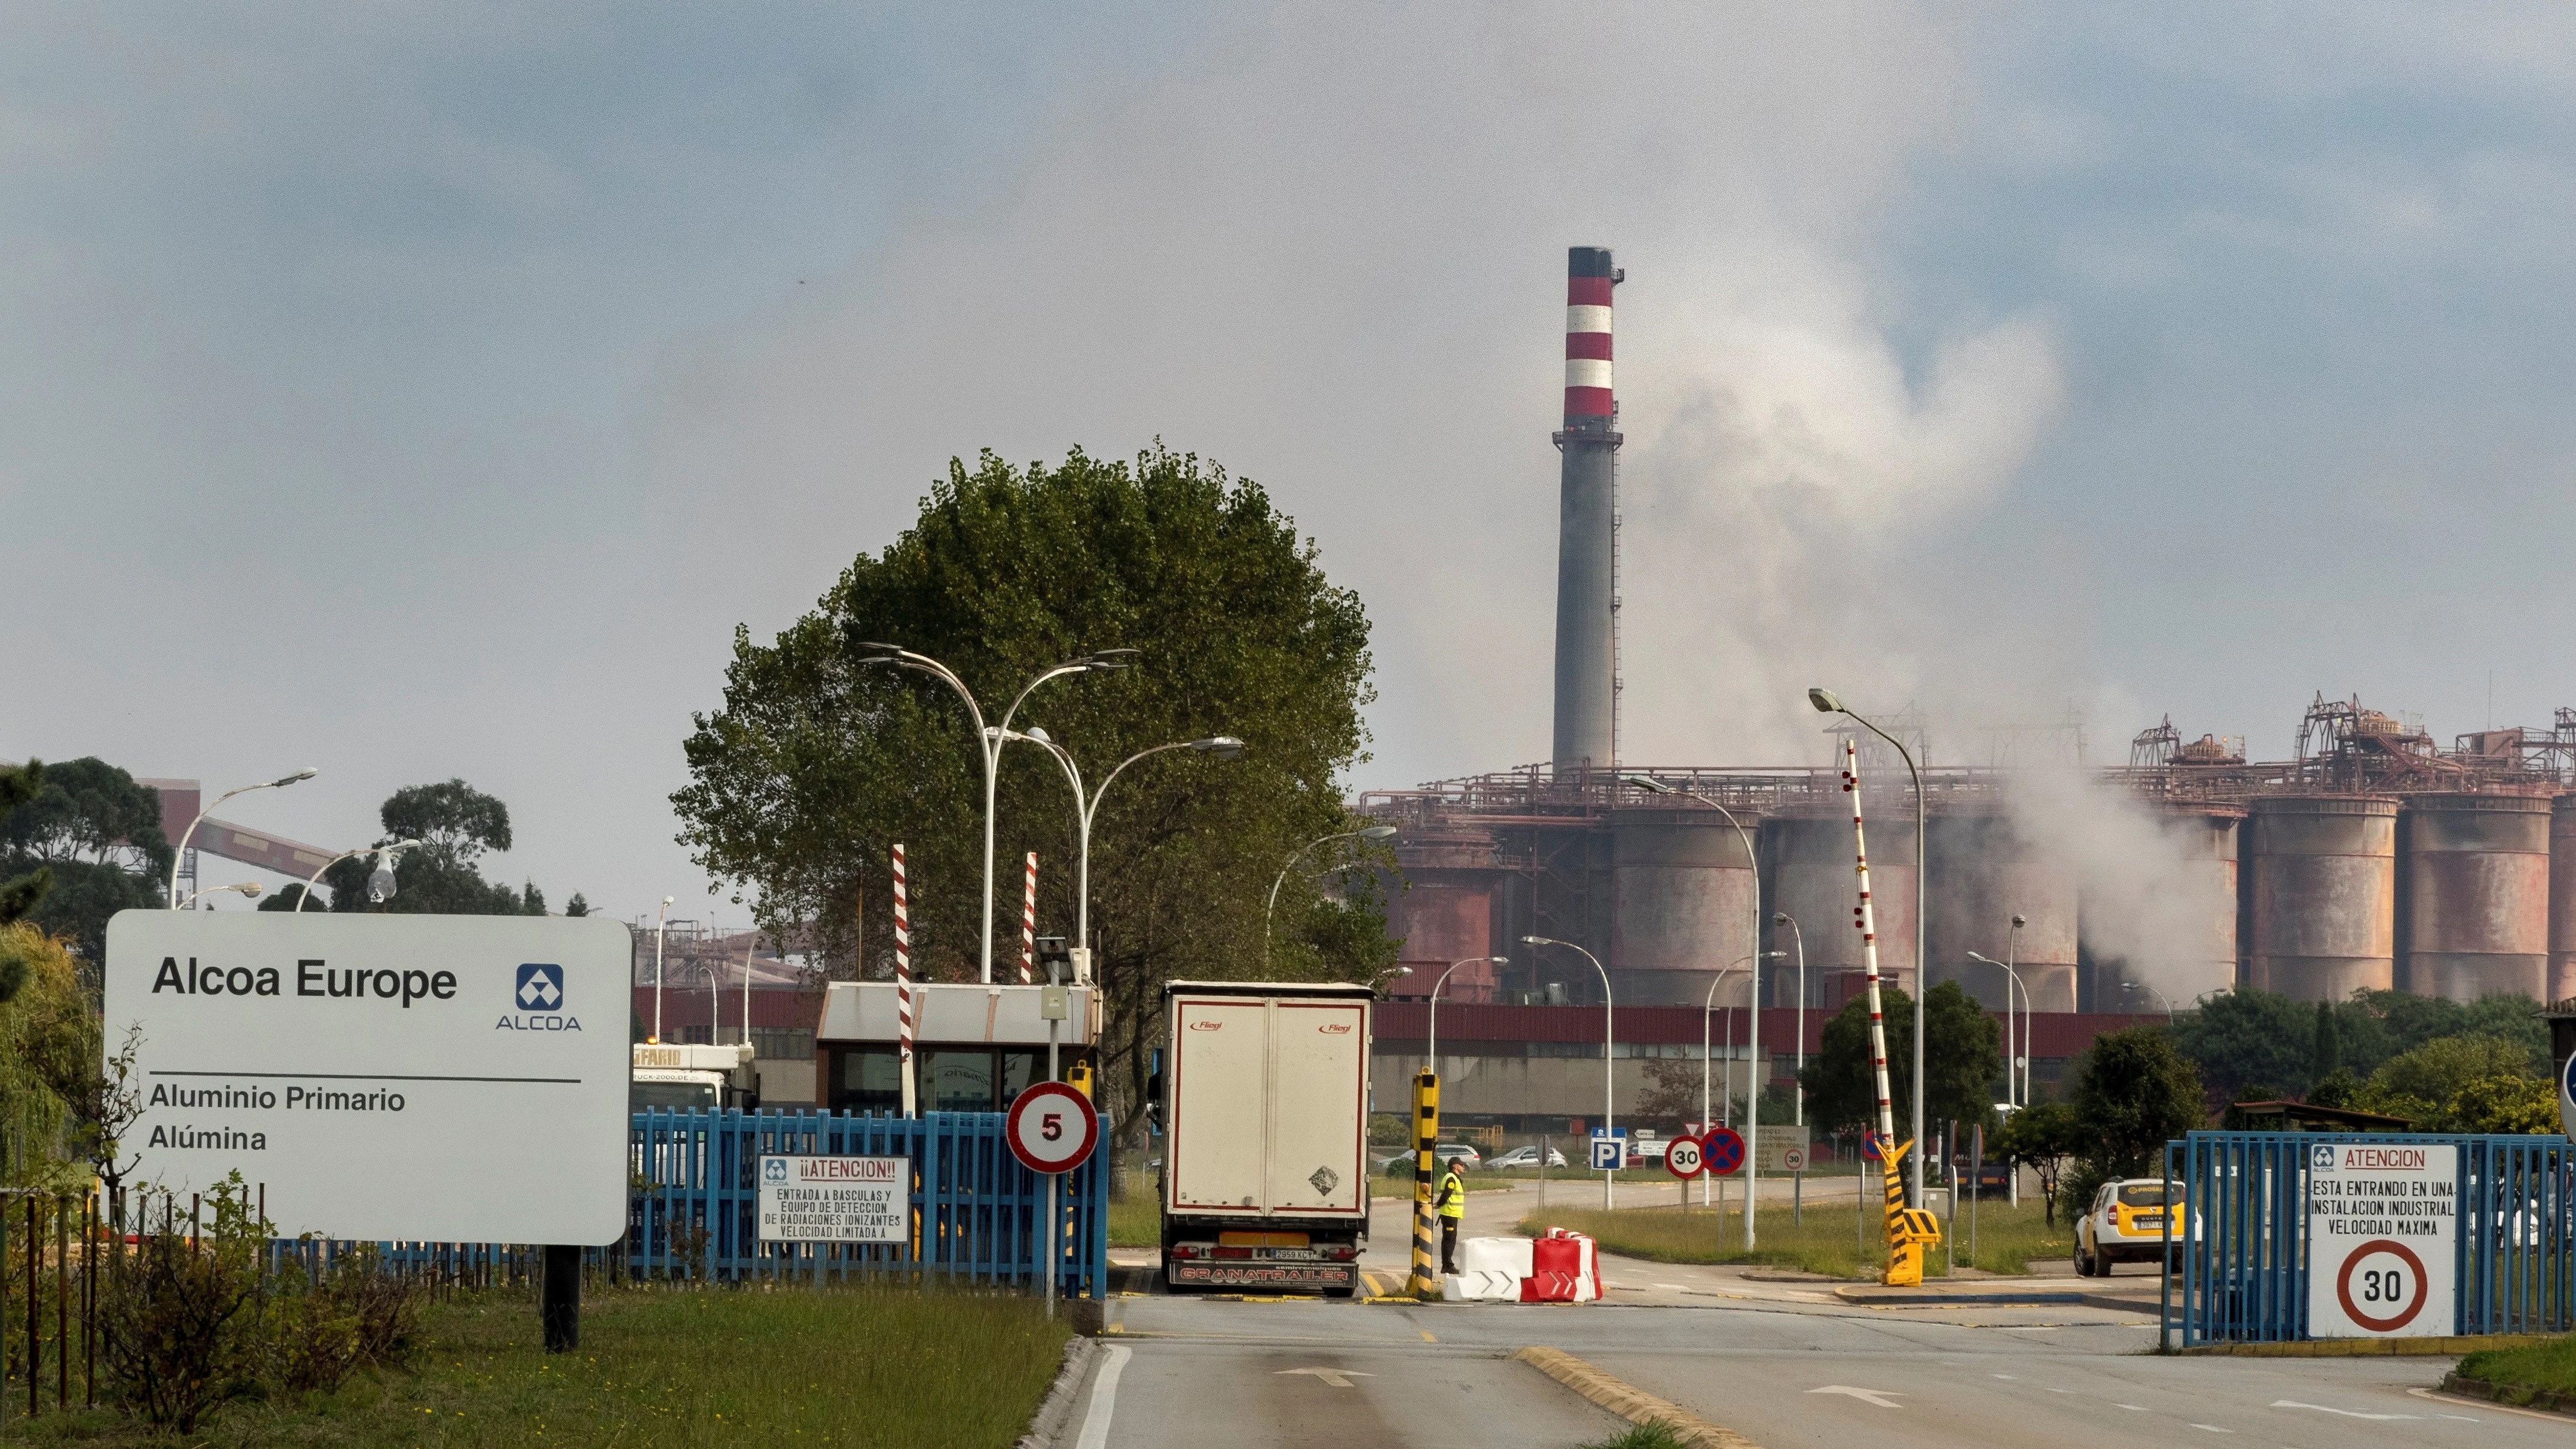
1051	1128
2383	1232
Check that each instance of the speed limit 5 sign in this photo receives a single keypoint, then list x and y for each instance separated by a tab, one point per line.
1051	1128
2383	1230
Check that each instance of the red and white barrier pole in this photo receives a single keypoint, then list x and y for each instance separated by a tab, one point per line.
903	979
1029	925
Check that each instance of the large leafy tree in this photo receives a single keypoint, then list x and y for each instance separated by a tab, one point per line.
1963	1061
820	759
92	836
2133	1093
455	824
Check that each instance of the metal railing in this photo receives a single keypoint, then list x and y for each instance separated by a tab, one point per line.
2237	1269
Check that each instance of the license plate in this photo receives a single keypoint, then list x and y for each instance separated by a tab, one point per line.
1259	1275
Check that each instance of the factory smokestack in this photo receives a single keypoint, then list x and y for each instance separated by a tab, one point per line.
1586	546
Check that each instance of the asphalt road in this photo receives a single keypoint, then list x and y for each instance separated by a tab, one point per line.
1201	1371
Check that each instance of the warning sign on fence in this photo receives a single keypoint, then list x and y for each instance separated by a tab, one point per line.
835	1199
2383	1228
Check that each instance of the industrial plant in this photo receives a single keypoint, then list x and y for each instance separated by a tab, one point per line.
2373	858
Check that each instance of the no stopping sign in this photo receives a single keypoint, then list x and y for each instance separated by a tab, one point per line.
1051	1128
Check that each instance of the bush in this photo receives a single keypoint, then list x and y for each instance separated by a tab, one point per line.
180	1319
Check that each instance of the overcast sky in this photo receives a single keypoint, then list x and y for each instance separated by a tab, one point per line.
426	393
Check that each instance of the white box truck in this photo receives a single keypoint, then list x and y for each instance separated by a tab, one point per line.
1264	1099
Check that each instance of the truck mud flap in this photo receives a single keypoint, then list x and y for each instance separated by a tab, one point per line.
1275	1277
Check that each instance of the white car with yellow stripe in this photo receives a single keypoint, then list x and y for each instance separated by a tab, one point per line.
2125	1224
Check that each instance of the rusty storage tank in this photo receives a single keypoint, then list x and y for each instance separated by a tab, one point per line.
2474	895
2323	890
1814	882
1983	873
2562	898
2179	936
1682	891
1446	911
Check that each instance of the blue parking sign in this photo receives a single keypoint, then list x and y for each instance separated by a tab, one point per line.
1609	1149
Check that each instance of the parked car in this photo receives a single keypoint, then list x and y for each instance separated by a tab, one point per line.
1443	1154
1524	1157
1647	1151
2125	1224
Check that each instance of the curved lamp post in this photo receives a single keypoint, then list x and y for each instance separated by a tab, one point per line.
2013	1062
2151	991
1610	1179
989	739
1432	1060
1826	702
1085	807
1753	1108
307	773
384	854
1373	832
1783	918
249	890
1708	1008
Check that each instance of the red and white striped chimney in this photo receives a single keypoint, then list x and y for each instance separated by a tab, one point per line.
1587	336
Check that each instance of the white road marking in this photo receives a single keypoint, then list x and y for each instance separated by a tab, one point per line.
2213	1428
1338	1378
1676	1287
2007	1376
1104	1401
1867	1395
2058	1391
2347	1413
2140	1408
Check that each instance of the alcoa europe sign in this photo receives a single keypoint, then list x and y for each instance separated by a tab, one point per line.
382	1077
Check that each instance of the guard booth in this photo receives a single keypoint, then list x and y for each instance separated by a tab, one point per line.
975	1047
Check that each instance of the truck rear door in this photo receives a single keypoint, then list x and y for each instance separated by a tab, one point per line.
1318	1107
1220	1099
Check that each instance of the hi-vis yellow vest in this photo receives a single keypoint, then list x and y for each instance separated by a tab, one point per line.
1453	1196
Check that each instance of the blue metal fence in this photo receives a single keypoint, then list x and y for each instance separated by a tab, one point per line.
693	1203
2239	1268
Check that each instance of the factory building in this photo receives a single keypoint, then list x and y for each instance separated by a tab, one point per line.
2371	859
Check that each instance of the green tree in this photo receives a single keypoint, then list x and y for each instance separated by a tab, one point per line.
2432	1073
820	759
2246	1037
2134	1094
453	819
19	894
1964	1059
94	835
2509	1103
577	906
2044	1136
2325	1056
455	824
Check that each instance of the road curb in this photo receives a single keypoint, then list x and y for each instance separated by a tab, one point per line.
2367	1347
2027	1297
1630	1402
1047	1426
2520	1396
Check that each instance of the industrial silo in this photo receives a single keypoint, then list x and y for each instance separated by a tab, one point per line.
1682	906
1984	872
2475	895
1815	882
2562	898
2201	956
2323	889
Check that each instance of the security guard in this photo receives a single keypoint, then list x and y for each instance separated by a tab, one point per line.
1452	1203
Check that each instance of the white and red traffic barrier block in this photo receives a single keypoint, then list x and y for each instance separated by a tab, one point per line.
1562	1267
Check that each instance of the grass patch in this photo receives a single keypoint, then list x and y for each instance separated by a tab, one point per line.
2008	1239
1641	1436
2550	1365
1135	1221
676	1368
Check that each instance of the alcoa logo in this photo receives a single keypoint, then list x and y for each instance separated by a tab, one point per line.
774	1170
2321	1158
539	996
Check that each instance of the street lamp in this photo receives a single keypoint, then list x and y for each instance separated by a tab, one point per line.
2151	991
249	891
1783	918
2014	1063
1826	702
1372	832
1224	747
383	855
307	773
660	921
1753	1112
1707	1008
990	740
1610	1179
1432	1063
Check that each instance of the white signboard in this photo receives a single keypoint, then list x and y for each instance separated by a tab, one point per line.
2383	1225
439	1078
835	1199
1784	1146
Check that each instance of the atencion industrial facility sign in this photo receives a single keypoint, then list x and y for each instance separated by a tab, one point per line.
835	1199
439	1078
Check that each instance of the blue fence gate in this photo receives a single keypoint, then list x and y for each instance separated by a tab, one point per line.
2238	1270
693	1201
